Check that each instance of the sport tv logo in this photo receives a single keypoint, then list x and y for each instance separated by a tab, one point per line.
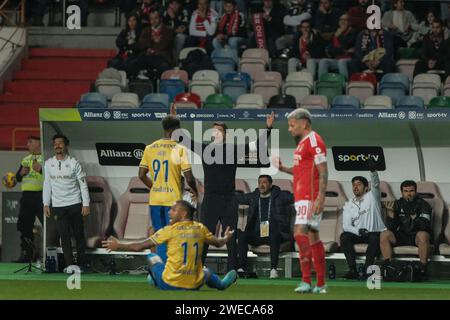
355	158
120	154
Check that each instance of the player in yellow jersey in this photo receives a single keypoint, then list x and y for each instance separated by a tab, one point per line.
165	161
185	239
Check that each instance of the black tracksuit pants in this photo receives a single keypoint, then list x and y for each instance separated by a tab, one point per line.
348	240
223	208
248	237
30	207
70	223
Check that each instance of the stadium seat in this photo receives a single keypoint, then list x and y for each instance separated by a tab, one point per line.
366	77
446	89
156	101
394	85
93	100
378	102
133	220
241	185
205	83
331	225
185	51
439	102
345	102
408	53
267	84
299	84
254	61
250	101
444	248
225	60
114	74
172	87
410	102
333	78
235	84
282	101
329	90
187	100
284	184
406	67
218	101
426	86
125	100
176	74
361	90
97	223
141	87
429	191
314	102
108	87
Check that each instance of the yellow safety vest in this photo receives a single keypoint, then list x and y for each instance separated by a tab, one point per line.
34	180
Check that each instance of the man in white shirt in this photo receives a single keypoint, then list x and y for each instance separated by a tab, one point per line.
362	221
203	26
66	198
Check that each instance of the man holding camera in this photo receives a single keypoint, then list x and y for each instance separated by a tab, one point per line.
362	221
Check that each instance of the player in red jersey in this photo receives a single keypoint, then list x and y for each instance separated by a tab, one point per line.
310	182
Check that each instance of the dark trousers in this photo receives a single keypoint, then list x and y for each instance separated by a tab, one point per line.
223	208
348	240
422	67
385	65
152	62
30	208
70	223
247	237
192	41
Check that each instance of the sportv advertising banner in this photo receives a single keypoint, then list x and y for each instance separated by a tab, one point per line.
355	158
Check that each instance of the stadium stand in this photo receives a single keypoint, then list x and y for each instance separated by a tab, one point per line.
235	84
93	100
267	84
282	101
410	102
218	101
314	102
299	84
156	100
426	86
187	100
345	102
250	101
205	83
254	61
378	102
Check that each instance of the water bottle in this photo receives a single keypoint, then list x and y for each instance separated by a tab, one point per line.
332	271
112	264
361	271
47	264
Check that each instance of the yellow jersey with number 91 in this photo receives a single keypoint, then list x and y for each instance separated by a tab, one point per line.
165	160
185	242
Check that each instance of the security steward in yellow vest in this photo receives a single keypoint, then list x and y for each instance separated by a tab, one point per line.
30	175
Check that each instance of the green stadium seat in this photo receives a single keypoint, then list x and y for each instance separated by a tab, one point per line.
329	89
408	53
333	77
218	101
439	102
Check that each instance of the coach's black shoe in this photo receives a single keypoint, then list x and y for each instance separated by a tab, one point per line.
351	275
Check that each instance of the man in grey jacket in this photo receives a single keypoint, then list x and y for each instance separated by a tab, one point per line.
66	197
362	221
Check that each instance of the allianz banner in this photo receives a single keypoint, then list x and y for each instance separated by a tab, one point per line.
119	154
355	158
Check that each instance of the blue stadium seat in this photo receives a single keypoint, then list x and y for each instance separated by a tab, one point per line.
225	60
93	100
156	101
235	84
410	102
394	85
172	87
345	102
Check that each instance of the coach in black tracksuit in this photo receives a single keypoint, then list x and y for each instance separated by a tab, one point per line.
219	201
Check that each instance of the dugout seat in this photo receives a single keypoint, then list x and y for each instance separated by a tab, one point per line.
284	184
97	223
444	248
133	219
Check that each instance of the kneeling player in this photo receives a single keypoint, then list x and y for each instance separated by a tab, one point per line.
185	239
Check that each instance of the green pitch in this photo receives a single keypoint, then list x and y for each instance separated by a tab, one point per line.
104	286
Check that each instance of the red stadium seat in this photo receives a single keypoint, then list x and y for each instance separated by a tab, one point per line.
188	98
361	76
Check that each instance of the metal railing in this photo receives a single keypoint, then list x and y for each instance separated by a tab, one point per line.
7	7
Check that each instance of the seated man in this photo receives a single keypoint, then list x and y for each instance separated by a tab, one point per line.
326	20
409	224
374	52
435	53
185	238
177	18
267	221
231	28
362	222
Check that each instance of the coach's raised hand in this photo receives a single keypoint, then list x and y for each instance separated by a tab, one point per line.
270	119
173	110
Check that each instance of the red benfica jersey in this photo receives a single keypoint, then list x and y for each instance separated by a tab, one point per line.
310	152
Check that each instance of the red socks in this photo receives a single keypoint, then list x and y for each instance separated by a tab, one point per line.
318	254
305	257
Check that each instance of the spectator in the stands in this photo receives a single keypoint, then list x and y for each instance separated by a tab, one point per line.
231	27
307	48
374	52
358	15
401	23
435	52
156	43
340	51
177	18
147	7
268	221
297	11
425	28
126	43
203	26
326	20
272	13
409	224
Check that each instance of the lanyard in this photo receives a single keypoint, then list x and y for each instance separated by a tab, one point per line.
259	207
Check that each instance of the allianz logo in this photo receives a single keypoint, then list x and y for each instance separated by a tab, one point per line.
136	153
387	115
93	114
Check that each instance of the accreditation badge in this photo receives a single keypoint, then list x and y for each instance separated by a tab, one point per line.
264	229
